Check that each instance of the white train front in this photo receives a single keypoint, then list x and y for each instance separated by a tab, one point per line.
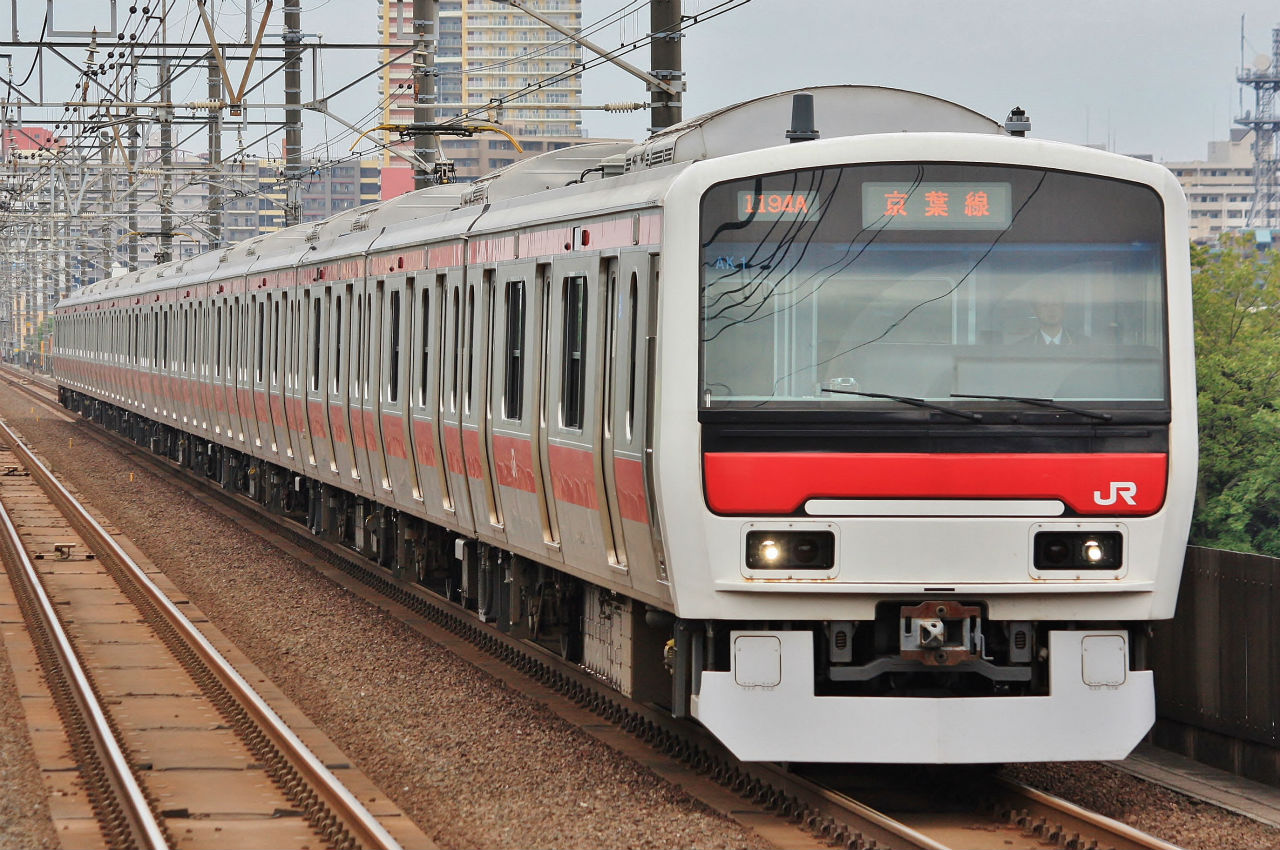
878	447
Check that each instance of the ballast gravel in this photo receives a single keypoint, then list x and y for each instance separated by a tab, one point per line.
473	762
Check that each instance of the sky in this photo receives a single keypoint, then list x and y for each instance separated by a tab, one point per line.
1140	76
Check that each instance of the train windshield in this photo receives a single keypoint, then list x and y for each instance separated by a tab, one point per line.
931	281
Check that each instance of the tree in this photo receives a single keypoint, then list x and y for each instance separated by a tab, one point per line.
1236	290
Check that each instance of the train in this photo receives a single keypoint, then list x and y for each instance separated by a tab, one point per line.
851	423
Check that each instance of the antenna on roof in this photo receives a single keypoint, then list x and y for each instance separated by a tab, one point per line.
802	129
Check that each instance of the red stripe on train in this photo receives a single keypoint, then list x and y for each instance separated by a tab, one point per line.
1106	484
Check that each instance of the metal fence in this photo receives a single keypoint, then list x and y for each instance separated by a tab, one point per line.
1217	663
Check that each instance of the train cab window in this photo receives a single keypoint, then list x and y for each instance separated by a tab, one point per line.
573	360
955	283
393	373
513	392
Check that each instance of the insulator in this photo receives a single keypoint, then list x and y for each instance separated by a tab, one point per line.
622	107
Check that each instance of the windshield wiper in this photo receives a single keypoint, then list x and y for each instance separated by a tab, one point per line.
914	402
1042	402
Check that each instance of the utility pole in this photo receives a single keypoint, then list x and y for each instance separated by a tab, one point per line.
292	113
426	17
105	193
165	252
664	51
135	137
215	154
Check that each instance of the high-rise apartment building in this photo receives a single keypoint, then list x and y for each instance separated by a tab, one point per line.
487	50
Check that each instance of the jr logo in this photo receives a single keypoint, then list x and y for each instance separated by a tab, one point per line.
1123	489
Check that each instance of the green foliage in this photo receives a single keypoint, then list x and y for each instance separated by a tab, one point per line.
1236	290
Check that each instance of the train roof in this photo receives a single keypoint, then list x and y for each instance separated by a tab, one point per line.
452	210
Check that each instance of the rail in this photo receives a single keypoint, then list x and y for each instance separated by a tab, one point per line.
363	828
126	817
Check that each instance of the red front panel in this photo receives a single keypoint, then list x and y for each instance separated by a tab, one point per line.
749	483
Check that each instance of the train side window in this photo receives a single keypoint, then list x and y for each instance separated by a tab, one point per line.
275	358
423	376
353	386
573	359
456	356
470	331
262	343
513	394
393	372
337	340
368	347
633	302
315	343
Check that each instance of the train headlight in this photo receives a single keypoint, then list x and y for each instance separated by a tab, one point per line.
791	550
1079	550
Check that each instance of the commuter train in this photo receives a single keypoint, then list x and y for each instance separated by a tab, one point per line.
870	439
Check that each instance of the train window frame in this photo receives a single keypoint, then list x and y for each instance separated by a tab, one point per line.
469	328
336	316
573	359
262	342
515	307
367	349
353	379
424	378
393	344
315	315
275	332
633	297
456	356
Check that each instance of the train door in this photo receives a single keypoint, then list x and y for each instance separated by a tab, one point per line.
396	339
513	409
427	372
457	338
377	328
306	318
606	438
186	363
357	366
217	360
369	456
545	302
202	394
153	358
244	374
626	426
573	430
477	435
275	385
258	369
320	460
340	345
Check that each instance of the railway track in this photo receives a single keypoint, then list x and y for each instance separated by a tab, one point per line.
782	804
171	743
